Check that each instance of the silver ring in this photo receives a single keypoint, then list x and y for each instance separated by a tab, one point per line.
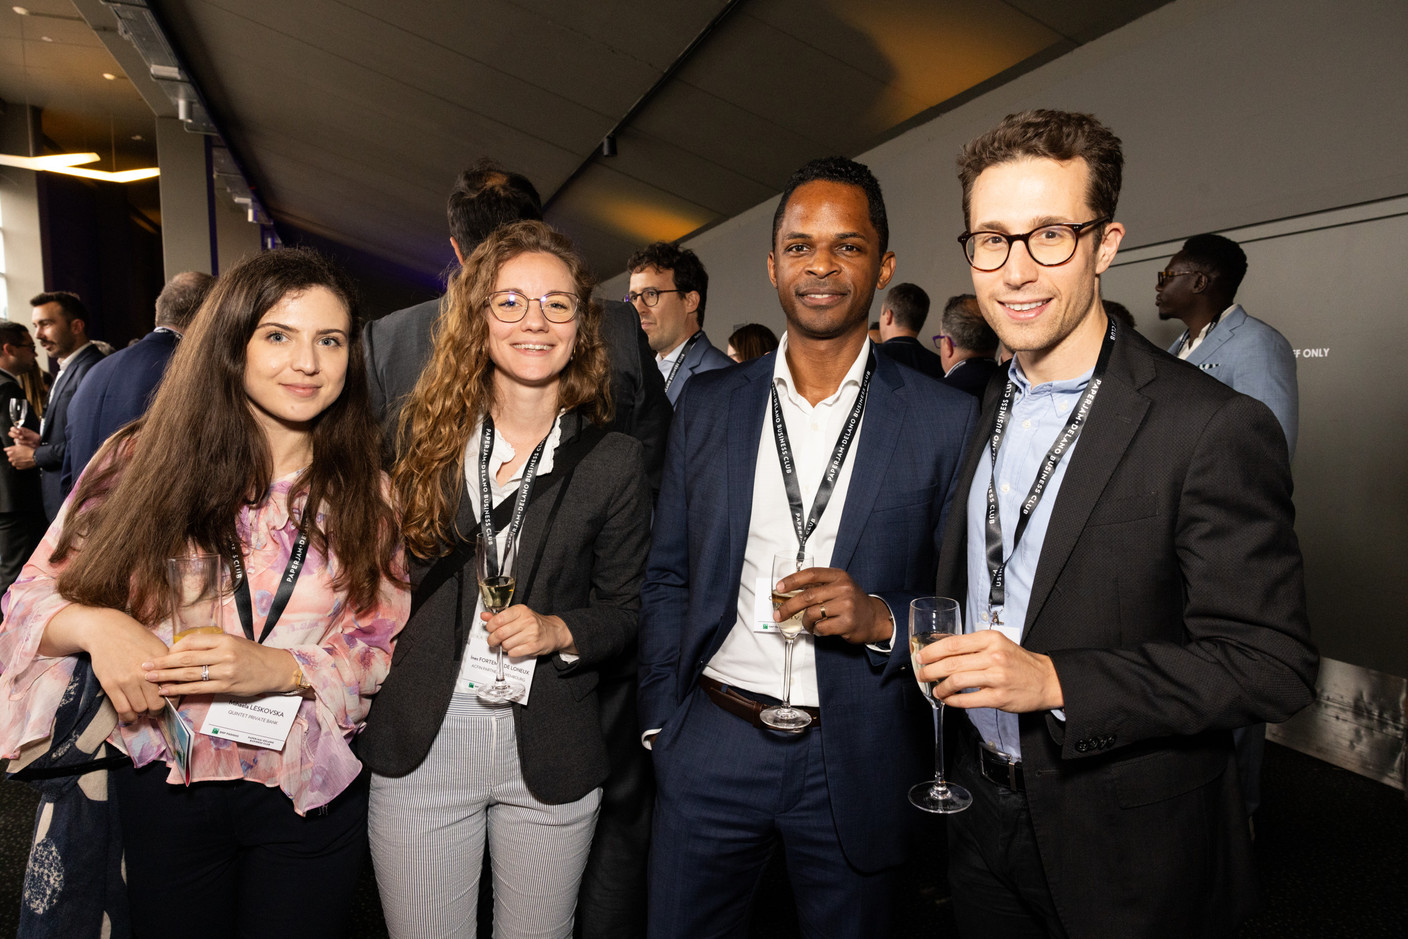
205	673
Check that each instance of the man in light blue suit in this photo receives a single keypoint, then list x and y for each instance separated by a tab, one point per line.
669	289
825	447
1199	287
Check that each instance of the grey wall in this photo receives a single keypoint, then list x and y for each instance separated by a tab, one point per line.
1258	118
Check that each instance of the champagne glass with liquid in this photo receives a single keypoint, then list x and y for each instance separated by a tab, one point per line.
19	411
934	619
493	565
194	582
784	716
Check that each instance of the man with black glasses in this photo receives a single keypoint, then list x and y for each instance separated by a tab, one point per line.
1121	542
669	288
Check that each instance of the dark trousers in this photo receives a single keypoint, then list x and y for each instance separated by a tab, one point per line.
728	793
995	873
611	901
20	533
233	859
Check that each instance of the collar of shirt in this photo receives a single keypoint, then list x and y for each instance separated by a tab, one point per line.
1039	413
9	376
666	362
502	453
63	363
750	660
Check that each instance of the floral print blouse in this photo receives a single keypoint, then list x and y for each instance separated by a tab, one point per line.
345	655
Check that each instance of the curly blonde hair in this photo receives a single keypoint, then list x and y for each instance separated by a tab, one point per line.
456	388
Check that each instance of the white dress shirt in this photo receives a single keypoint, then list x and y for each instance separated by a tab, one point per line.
748	659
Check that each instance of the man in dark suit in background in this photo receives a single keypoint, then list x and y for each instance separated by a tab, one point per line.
1125	613
61	327
398	346
118	389
967	345
833	795
21	506
670	289
902	316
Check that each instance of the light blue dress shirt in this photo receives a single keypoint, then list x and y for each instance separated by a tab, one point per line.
1039	413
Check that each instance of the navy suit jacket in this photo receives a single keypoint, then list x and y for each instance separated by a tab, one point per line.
1248	355
875	728
703	357
115	393
53	439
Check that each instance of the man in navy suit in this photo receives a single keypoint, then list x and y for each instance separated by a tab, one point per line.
670	288
118	389
61	327
967	345
902	316
825	444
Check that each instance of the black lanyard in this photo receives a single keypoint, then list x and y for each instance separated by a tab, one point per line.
244	600
486	494
805	526
997	566
689	344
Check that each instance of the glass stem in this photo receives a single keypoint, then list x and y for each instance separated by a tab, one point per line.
939	745
500	677
787	674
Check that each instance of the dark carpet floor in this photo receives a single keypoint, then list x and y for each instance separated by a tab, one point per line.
1332	848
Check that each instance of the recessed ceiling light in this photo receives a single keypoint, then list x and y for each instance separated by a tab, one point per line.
47	38
109	76
137	137
21	11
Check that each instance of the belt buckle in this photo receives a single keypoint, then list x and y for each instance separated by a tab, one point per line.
1010	767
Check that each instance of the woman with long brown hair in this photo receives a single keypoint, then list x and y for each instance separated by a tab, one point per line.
503	438
260	449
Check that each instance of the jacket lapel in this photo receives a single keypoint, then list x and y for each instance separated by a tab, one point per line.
1114	418
747	409
881	426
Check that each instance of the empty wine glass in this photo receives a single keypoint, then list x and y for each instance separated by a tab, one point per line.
19	411
493	566
934	619
784	716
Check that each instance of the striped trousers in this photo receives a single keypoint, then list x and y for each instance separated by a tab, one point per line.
428	831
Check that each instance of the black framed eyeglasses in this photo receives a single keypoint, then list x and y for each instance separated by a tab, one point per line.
1166	276
510	306
1049	245
651	295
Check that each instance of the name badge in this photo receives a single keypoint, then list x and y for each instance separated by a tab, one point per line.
261	722
762	606
481	665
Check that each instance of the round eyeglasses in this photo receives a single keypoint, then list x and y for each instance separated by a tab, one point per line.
1049	245
651	295
510	306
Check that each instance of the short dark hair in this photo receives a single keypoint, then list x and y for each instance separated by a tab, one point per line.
68	302
752	341
962	322
1119	313
179	300
910	304
1055	135
839	170
487	196
13	334
689	272
1220	258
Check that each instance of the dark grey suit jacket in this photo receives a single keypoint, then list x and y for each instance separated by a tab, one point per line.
590	573
398	346
1170	597
49	455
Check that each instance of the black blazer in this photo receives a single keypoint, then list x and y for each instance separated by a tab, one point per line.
19	489
593	563
1170	597
49	455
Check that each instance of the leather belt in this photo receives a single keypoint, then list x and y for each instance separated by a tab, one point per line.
740	705
999	770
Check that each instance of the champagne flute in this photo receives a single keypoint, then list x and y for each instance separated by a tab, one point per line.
784	716
933	619
493	565
194	580
19	411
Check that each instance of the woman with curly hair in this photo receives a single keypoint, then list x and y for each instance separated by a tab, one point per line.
502	438
259	449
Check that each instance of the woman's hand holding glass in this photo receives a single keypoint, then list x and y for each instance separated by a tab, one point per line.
523	632
224	664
